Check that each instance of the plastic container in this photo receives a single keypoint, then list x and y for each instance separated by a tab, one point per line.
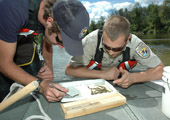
166	91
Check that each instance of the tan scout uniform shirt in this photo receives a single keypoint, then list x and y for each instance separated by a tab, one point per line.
138	50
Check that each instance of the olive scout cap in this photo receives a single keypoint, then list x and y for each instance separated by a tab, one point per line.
73	20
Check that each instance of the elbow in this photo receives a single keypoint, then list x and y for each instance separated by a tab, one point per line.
161	66
67	70
160	70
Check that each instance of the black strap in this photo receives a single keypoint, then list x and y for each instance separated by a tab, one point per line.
126	57
99	52
126	54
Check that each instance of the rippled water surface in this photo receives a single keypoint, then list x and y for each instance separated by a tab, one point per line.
161	47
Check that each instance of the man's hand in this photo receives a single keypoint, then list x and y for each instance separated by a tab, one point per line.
50	93
111	74
126	80
46	73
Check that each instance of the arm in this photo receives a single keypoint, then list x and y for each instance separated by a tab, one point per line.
46	72
128	79
83	72
47	53
12	71
9	68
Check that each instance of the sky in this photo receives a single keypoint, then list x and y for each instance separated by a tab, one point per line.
98	8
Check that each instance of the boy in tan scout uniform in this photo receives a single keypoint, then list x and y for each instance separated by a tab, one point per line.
114	40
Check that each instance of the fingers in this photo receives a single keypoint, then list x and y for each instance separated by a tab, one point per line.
53	94
122	70
46	73
43	69
57	95
111	74
122	77
123	80
121	83
61	88
53	99
118	82
124	83
124	86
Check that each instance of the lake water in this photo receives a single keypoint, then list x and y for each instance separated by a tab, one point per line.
161	47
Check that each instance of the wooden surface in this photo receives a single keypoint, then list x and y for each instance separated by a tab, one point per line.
143	101
92	105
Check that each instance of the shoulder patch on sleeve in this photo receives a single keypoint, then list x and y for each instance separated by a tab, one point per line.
143	50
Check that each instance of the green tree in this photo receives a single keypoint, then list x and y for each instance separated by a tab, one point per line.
100	22
154	18
136	18
165	16
92	26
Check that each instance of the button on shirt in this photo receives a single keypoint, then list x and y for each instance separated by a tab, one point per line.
138	50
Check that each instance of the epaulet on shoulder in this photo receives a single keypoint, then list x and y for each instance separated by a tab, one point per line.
95	32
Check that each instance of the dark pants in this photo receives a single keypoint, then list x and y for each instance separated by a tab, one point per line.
5	82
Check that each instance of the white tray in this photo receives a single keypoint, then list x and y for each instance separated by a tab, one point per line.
81	88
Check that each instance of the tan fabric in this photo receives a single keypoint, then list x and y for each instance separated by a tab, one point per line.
136	45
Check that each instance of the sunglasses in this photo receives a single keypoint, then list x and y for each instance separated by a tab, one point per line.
58	41
114	49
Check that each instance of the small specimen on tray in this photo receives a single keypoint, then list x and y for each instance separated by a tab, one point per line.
98	90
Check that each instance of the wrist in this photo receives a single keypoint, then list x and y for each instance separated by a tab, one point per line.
39	87
133	77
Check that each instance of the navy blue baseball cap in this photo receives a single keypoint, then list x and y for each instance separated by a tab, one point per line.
73	21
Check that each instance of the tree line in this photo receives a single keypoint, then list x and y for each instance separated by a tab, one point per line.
152	19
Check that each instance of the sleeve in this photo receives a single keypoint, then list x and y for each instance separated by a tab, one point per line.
12	19
144	55
89	48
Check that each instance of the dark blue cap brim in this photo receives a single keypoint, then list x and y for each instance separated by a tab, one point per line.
73	47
